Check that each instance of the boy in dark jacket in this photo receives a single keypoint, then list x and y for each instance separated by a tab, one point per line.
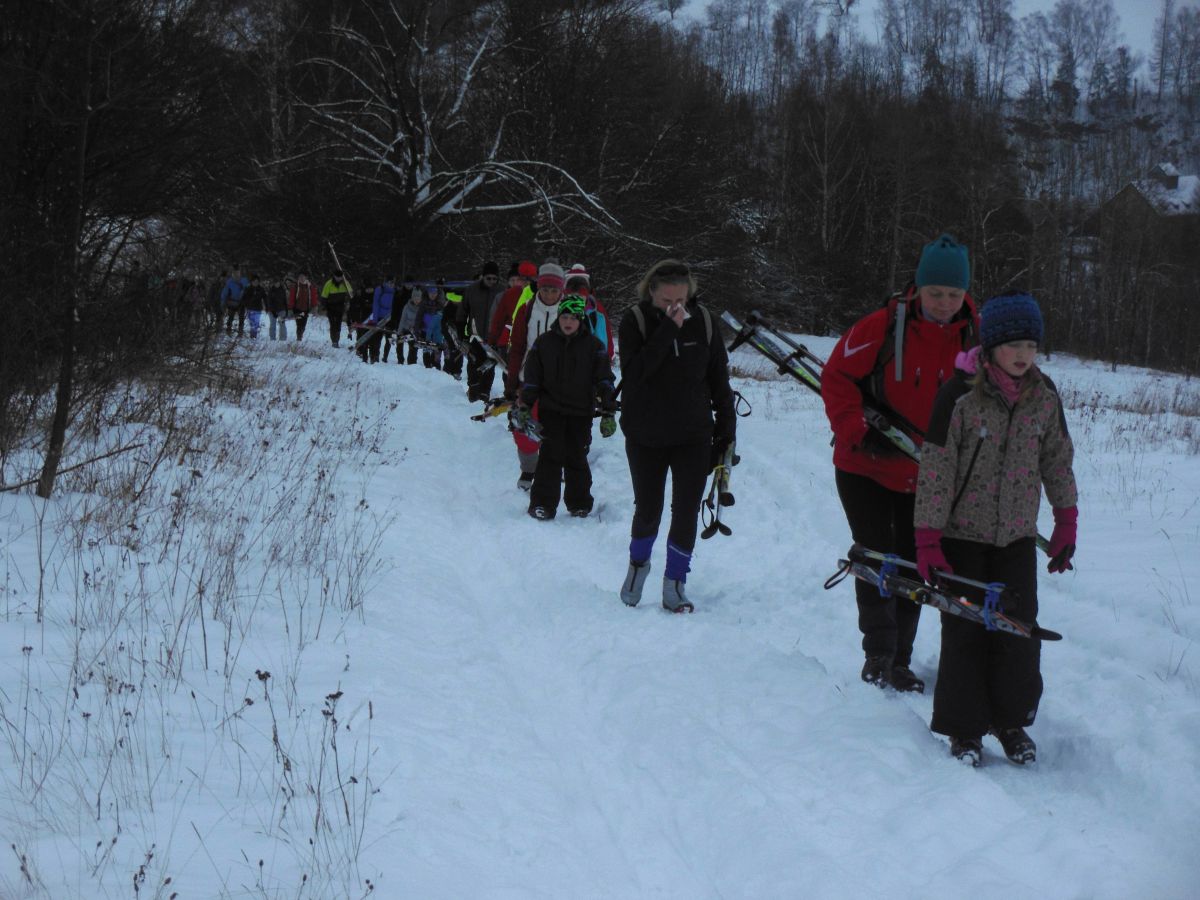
565	372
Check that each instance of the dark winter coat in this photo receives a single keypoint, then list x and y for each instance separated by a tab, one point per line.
476	307
277	300
255	298
675	378
567	374
358	308
929	350
983	464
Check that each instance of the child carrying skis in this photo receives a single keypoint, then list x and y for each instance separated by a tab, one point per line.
565	372
997	436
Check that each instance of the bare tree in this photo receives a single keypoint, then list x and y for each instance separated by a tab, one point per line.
416	110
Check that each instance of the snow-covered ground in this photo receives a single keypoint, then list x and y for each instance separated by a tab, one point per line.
219	697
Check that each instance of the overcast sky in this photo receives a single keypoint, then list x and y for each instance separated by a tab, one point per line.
1137	18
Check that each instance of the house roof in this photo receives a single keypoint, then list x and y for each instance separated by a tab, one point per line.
1181	200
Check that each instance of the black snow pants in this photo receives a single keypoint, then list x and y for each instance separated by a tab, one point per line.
881	519
988	679
563	458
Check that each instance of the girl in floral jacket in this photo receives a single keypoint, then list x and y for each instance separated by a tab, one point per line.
996	437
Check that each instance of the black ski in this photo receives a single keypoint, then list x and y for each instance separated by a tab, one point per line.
963	597
370	332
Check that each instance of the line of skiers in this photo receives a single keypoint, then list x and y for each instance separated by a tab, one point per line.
963	378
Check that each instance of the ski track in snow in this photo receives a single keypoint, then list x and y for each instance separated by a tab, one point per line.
545	741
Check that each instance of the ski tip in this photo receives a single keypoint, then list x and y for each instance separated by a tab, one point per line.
1044	634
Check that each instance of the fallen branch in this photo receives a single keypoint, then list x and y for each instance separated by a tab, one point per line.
86	462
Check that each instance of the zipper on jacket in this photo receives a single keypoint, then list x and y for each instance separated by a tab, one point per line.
983	433
676	343
918	383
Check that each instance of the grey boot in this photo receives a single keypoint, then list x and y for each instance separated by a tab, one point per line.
674	598
631	589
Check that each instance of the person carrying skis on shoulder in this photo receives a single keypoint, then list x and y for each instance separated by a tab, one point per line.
302	300
566	372
998	434
478	300
676	377
895	359
334	294
531	319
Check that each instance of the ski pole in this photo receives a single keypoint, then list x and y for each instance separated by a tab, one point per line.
338	265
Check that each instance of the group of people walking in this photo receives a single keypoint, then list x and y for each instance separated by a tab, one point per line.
960	379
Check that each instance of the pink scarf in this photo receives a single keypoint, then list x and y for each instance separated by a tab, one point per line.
1009	387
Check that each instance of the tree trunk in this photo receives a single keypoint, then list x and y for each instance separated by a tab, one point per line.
69	288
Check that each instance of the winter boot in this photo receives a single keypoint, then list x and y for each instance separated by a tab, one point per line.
967	750
877	670
541	513
525	482
903	679
674	599
581	512
631	589
1018	746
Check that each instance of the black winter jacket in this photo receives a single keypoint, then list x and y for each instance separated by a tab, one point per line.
673	380
277	299
476	308
567	374
255	297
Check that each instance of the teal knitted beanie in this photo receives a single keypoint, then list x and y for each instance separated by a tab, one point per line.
944	262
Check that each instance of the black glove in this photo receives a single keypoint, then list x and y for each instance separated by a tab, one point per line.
720	444
875	443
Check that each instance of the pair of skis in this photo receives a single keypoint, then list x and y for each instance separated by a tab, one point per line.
794	359
975	601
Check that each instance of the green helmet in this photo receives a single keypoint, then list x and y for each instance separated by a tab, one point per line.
572	305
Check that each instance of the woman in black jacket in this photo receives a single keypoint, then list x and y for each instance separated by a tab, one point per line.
675	374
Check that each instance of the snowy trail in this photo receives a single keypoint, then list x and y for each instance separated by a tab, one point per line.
517	732
550	742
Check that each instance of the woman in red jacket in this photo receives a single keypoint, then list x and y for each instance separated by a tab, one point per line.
895	358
